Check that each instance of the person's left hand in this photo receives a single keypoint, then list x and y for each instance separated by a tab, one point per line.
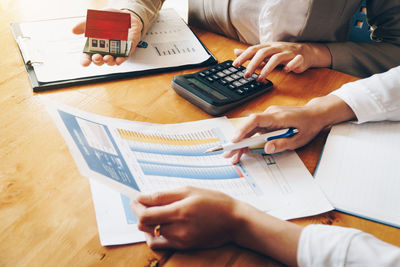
134	35
189	217
295	57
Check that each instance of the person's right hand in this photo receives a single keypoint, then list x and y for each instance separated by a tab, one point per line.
276	118
134	35
309	120
295	57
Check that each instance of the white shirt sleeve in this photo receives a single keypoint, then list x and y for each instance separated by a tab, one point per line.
325	245
376	98
268	20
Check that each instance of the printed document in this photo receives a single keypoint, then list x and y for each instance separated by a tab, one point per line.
55	51
360	172
123	157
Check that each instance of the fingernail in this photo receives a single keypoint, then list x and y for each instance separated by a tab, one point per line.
247	74
270	149
235	159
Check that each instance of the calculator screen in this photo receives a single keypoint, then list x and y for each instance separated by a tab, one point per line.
207	89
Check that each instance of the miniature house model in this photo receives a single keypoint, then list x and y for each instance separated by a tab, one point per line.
107	31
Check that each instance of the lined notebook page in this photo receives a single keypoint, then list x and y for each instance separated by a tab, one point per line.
360	170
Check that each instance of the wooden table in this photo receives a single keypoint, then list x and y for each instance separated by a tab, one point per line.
46	211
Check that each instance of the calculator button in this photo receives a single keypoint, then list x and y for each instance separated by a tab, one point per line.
219	67
240	73
221	74
213	70
210	79
243	81
233	69
202	74
227	72
215	77
207	72
254	75
235	76
252	86
240	91
237	83
246	89
228	79
232	87
228	64
223	82
250	79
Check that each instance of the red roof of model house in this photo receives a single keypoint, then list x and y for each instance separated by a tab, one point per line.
107	25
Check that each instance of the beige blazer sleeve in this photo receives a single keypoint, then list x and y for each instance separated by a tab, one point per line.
147	10
328	22
365	59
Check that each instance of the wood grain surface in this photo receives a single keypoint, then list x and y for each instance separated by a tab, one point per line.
46	212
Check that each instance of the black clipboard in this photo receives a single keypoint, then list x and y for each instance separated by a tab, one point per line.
37	86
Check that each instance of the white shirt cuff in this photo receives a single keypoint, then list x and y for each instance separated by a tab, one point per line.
323	245
375	98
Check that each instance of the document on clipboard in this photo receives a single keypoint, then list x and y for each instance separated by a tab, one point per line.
51	52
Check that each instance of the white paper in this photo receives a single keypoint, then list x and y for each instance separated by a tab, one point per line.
360	170
155	157
170	43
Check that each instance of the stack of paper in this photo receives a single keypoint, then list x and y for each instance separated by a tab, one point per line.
360	170
121	156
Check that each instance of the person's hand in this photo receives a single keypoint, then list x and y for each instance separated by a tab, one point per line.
309	120
134	35
189	217
276	118
296	57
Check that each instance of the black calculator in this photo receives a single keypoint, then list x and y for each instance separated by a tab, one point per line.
219	88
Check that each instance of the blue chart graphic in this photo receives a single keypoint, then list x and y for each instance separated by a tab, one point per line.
165	149
130	217
183	145
110	164
193	172
165	155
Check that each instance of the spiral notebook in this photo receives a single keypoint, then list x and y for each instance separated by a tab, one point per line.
51	52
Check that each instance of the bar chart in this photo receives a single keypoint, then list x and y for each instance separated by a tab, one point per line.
173	160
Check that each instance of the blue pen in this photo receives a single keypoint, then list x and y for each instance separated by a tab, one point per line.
255	140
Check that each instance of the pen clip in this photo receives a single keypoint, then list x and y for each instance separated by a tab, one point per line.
290	132
142	44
